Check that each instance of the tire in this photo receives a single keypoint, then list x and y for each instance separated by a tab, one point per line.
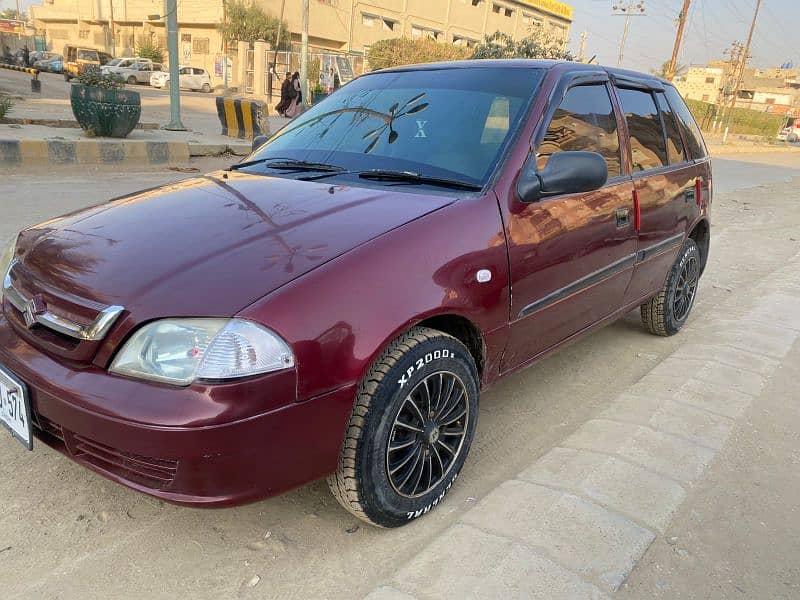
389	488
131	80
166	86
666	312
206	88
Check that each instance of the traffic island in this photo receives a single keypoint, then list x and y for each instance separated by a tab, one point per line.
39	145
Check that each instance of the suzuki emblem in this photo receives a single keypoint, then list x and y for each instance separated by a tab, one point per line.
33	308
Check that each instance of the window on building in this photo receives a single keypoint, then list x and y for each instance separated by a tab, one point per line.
464	41
329	2
496	8
418	32
83	33
710	79
367	20
186	37
508	12
584	120
200	46
648	147
558	30
388	24
769	101
476	2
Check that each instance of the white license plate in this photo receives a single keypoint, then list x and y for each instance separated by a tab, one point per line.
15	409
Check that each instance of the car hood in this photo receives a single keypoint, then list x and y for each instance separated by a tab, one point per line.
211	245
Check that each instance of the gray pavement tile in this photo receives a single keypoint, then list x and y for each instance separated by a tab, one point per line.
576	533
387	593
632	490
669	416
661	452
714	397
731	377
727	355
467	563
762	338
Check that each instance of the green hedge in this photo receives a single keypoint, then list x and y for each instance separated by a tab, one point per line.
745	121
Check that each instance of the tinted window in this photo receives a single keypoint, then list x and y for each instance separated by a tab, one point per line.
675	151
199	72
648	149
452	123
691	132
186	71
585	120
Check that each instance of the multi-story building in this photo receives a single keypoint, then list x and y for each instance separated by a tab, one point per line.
701	83
117	26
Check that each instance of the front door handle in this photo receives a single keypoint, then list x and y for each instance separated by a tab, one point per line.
689	194
623	217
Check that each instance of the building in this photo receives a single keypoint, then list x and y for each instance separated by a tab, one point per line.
703	83
119	26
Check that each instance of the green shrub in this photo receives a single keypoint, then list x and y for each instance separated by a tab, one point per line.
148	48
404	51
5	106
93	77
745	121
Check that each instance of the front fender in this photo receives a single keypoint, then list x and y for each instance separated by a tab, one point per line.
338	317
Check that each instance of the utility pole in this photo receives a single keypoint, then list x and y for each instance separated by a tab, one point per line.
111	27
630	8
277	47
740	75
673	63
582	49
304	55
734	54
175	123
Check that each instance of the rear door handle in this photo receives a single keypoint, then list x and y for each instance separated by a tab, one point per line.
689	195
623	217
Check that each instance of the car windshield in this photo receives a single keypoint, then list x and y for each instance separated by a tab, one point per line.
114	62
448	123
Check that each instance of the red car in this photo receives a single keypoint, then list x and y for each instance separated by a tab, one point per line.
333	305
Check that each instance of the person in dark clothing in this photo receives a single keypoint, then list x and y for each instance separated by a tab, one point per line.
285	101
26	57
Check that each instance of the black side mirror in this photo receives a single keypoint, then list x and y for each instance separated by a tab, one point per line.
567	172
259	141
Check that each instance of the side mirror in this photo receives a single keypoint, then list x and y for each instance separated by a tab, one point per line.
566	172
259	141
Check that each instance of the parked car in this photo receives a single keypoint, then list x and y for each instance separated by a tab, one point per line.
790	131
118	65
139	73
77	59
50	63
190	78
333	305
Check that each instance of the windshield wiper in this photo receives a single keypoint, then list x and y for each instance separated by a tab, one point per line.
414	177
288	164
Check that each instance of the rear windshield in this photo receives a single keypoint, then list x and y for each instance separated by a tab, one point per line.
87	55
443	123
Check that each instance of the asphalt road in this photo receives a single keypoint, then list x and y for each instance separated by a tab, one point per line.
67	533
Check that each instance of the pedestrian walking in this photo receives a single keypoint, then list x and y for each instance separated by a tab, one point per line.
26	57
296	95
285	100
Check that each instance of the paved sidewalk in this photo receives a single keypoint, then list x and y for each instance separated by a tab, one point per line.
576	522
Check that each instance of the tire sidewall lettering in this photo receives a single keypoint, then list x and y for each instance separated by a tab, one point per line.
421	363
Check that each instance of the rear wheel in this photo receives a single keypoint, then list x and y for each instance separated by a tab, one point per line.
131	80
410	431
666	313
207	88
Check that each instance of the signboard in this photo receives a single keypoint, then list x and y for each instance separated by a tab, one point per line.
218	65
344	68
12	26
554	7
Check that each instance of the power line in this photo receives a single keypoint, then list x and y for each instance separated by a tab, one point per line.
633	8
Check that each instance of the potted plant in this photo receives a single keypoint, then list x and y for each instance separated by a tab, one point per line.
318	93
102	106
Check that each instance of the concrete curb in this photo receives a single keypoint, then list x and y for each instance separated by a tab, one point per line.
15	153
63	123
719	150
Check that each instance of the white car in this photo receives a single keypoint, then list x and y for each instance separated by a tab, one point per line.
790	133
119	64
190	78
139	73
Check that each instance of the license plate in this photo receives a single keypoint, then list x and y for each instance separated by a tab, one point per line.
15	408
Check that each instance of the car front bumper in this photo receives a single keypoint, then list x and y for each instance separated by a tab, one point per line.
203	462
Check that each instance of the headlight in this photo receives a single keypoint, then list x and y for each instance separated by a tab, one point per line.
6	255
180	351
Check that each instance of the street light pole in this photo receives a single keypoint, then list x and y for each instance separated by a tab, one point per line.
175	123
631	8
304	55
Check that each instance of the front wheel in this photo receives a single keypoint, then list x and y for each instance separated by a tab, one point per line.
666	312
410	431
131	80
206	88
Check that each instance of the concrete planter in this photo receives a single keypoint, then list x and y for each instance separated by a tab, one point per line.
105	112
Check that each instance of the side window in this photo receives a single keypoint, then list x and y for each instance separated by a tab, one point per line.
691	132
199	72
648	148
186	71
585	120
675	152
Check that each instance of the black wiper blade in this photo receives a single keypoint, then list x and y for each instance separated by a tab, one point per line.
414	177
288	164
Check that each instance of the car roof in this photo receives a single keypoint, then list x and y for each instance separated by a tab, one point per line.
525	63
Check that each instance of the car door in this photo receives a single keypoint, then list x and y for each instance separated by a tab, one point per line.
571	255
664	180
185	77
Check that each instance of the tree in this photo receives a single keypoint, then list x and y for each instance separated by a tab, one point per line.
539	44
11	14
395	52
149	48
247	21
664	70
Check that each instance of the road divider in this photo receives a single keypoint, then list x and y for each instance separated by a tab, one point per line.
36	85
243	119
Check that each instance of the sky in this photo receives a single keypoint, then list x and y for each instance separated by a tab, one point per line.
711	27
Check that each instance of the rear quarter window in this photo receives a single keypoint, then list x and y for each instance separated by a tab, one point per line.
695	145
675	152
